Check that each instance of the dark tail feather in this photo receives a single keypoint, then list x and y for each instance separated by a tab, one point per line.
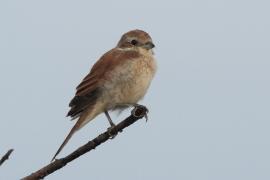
72	131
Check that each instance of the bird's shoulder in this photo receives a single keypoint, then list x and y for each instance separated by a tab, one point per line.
113	58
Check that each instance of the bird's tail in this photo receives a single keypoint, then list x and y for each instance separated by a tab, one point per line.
70	134
89	115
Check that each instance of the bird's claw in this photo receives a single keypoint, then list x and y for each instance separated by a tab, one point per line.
134	111
112	135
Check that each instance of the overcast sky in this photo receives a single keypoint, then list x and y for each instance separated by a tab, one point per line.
209	102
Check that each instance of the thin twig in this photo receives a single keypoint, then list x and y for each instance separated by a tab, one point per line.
6	156
137	113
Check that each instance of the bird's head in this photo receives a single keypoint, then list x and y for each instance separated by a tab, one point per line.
136	39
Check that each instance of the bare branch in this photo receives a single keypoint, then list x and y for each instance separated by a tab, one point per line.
137	113
6	156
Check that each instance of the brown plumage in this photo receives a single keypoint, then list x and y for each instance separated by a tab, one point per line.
120	77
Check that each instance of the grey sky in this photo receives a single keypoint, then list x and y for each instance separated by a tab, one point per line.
209	102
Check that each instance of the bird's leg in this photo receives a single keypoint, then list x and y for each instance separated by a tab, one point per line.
109	118
111	123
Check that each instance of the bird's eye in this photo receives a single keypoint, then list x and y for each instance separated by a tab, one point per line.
134	42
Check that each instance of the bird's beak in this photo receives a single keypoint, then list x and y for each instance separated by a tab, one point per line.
148	45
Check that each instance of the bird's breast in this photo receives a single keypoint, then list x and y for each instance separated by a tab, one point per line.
129	82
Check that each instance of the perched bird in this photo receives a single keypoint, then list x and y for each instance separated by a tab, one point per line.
120	78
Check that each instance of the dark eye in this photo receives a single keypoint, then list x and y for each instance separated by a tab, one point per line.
134	42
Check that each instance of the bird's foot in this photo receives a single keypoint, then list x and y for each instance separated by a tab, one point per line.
111	134
137	111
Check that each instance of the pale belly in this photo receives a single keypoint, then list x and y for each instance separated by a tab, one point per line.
129	83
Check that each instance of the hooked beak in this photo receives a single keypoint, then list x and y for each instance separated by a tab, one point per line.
148	45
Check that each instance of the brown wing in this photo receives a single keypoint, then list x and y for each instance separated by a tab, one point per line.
89	89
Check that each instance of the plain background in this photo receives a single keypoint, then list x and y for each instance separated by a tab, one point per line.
209	102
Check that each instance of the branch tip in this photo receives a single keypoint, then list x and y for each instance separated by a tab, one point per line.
6	156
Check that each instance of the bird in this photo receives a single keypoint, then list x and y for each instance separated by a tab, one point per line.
118	80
